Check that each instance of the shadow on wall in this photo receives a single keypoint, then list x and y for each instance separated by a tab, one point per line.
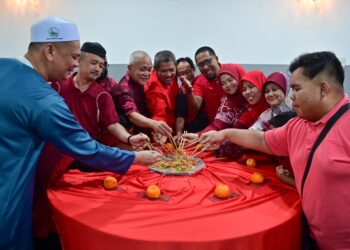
117	71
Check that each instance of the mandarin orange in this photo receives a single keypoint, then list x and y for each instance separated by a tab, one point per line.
250	162
257	178
222	191
110	182
153	192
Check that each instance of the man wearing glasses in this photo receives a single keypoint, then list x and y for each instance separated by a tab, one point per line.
207	91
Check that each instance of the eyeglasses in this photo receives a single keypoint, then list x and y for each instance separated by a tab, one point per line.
205	62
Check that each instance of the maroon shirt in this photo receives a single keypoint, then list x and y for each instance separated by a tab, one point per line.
110	85
93	108
130	98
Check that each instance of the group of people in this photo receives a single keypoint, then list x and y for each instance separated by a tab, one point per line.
49	110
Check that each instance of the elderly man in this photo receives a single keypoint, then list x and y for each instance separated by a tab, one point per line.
322	178
162	88
32	113
131	101
207	91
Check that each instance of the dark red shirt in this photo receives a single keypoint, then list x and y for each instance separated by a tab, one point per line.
93	108
110	85
211	92
131	96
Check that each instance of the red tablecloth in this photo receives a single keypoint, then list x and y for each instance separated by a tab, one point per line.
265	216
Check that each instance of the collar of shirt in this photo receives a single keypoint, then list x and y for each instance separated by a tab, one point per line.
328	116
91	90
25	61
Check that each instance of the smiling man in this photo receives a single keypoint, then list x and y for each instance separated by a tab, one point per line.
162	88
131	101
207	91
32	113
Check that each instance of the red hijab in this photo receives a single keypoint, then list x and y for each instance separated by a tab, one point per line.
257	78
236	99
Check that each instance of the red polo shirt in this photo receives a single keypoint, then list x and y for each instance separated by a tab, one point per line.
161	99
94	108
211	92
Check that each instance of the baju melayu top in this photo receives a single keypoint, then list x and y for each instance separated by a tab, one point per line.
31	112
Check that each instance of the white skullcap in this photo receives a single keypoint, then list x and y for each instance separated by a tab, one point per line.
53	29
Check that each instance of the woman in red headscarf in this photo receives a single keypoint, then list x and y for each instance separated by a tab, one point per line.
233	104
251	88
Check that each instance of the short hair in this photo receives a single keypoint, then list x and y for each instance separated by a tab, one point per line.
317	62
136	55
163	56
205	49
186	59
282	118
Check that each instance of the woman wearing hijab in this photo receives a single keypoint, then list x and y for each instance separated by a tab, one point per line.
251	89
274	90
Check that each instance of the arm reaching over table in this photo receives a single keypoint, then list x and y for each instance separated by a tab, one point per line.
252	139
147	157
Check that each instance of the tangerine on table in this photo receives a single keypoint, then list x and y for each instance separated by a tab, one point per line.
222	191
257	178
153	191
110	182
250	162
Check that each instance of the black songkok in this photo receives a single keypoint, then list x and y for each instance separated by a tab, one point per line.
94	48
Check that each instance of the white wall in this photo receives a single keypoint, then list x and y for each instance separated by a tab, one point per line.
241	31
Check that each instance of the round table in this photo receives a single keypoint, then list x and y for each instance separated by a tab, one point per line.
188	216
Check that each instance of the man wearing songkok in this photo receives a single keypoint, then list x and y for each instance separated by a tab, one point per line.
90	103
32	113
131	101
207	91
162	88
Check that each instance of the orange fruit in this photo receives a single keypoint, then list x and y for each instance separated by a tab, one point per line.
110	182
153	192
250	163
257	178
169	147
222	191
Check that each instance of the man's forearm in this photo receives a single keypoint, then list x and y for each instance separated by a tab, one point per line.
247	138
140	120
194	102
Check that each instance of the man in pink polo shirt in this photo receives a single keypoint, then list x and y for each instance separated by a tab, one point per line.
317	84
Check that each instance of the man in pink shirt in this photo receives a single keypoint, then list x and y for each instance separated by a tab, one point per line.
317	84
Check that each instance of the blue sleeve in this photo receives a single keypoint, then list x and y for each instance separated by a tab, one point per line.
53	121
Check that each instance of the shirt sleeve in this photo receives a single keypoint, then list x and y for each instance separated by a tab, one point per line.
126	101
215	125
275	139
68	136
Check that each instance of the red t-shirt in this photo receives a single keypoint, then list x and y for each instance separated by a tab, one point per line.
211	92
161	99
94	108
